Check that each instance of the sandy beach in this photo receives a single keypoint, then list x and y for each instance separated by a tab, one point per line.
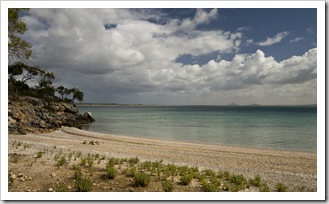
295	169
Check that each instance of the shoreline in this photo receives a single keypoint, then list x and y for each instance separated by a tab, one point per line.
295	169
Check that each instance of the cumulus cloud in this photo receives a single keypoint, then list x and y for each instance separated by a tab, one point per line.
135	60
273	40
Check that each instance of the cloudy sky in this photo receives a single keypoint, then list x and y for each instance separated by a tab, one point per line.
179	56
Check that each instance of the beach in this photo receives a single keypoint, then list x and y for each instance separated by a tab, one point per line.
294	169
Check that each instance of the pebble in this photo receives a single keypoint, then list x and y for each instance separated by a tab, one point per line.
50	190
21	179
20	175
53	174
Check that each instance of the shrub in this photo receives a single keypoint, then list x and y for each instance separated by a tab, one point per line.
39	154
142	179
280	187
61	189
113	161
168	186
256	181
61	161
111	172
83	184
186	179
238	179
209	187
133	161
264	188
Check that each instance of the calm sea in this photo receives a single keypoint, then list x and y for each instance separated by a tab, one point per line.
276	127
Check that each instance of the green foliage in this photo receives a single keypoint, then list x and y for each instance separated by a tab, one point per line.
142	179
264	188
186	179
61	189
168	185
39	154
280	187
256	181
209	187
83	184
61	161
18	49
133	161
111	172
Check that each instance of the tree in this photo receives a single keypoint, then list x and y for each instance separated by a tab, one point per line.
18	49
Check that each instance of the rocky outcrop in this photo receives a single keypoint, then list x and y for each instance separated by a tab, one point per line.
28	114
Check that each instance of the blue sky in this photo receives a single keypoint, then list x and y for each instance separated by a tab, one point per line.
180	56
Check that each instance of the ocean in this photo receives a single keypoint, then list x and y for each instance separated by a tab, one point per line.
276	127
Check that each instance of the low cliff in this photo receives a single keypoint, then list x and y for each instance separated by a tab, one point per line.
28	114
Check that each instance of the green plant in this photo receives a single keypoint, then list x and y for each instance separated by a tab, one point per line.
83	184
61	189
142	179
186	178
168	185
61	161
280	187
133	161
131	171
209	187
39	154
264	188
111	172
256	181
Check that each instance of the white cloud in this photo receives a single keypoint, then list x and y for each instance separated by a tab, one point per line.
135	60
296	39
276	39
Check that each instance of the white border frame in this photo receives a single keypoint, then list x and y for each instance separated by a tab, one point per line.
319	195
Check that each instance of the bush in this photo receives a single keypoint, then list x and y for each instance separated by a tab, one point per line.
142	179
256	181
133	161
111	172
61	161
209	187
280	187
83	184
186	179
168	186
264	188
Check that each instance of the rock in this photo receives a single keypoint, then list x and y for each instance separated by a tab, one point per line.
28	114
50	190
92	142
84	142
20	175
42	124
53	174
22	179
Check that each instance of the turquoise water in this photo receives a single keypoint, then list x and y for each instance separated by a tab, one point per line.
276	127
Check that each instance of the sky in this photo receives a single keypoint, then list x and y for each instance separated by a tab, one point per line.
179	56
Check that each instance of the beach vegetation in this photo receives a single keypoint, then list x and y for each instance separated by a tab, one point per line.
209	187
186	179
256	181
83	183
142	179
264	188
111	172
280	187
61	189
133	161
39	155
168	185
61	161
